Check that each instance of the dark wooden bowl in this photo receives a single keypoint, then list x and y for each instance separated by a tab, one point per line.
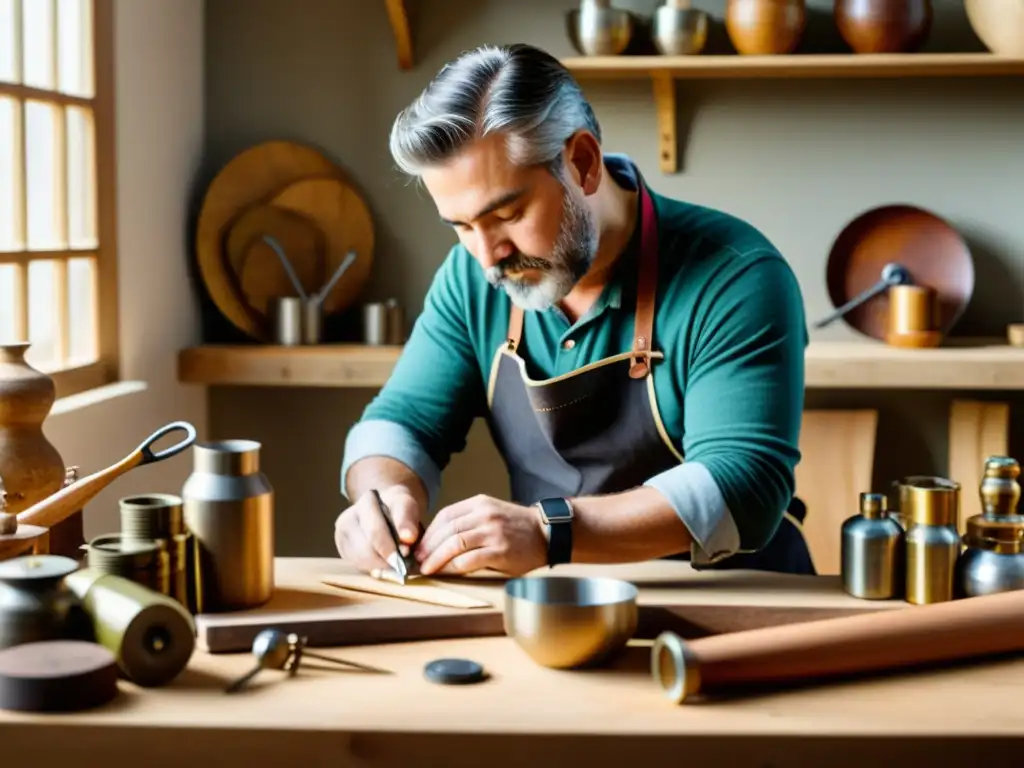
884	26
765	27
929	247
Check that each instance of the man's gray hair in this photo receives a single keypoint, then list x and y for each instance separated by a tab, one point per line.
518	91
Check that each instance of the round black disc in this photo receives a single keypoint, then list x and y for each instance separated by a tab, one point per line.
454	671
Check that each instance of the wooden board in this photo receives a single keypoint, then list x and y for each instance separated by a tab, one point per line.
252	177
977	430
672	595
837	459
979	365
419	589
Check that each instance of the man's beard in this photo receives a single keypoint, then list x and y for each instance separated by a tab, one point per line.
571	257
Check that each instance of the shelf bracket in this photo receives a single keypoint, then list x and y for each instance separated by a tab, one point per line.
665	105
398	15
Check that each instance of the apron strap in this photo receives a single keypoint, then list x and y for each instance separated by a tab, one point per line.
515	327
647	283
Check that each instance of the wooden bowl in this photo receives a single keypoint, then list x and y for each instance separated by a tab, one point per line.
999	24
930	248
765	27
884	26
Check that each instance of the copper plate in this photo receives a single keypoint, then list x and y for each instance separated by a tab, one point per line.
929	247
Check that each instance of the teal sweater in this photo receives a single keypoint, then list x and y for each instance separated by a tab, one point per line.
729	320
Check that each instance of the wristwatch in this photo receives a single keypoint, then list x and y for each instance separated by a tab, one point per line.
557	513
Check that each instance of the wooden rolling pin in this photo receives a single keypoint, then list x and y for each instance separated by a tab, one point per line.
873	642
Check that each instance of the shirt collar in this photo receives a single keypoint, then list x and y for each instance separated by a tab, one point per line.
625	172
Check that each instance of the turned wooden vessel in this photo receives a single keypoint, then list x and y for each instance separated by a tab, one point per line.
765	27
884	26
30	466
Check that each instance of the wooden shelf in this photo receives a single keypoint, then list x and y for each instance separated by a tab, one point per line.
398	16
662	71
972	365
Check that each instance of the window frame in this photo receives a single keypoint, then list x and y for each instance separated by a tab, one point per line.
106	368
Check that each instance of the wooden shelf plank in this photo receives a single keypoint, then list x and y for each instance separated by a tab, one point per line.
837	65
970	365
327	365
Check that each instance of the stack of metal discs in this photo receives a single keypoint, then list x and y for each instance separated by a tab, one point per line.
157	518
144	562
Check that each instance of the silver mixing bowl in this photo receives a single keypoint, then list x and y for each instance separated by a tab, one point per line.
566	621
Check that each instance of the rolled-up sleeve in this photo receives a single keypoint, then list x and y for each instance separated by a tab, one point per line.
743	367
423	413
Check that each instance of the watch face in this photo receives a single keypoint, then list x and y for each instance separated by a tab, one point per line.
556	510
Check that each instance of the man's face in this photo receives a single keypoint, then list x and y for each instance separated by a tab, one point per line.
533	235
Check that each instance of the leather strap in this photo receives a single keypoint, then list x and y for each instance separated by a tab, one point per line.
647	283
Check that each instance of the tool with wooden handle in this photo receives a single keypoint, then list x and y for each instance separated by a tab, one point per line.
65	502
904	638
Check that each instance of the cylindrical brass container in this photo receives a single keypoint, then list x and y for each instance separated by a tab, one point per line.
151	636
911	309
151	517
931	509
144	562
229	509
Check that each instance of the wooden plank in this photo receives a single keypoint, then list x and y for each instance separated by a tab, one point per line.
839	65
672	595
837	460
977	430
975	365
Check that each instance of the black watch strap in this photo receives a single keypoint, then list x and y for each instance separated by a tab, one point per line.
558	515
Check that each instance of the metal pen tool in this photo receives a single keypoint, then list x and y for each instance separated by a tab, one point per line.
402	566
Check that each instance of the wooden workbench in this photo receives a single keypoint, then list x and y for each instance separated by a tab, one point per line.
528	715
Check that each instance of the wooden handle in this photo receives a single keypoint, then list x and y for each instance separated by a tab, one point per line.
58	507
886	640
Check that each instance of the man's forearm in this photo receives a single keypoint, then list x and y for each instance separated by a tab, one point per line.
636	525
381	472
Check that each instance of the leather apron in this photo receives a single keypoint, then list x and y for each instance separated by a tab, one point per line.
597	430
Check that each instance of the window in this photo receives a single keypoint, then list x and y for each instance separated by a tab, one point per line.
58	281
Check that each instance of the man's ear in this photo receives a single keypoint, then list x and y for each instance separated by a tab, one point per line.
583	159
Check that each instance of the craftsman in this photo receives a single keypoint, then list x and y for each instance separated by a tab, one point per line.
604	331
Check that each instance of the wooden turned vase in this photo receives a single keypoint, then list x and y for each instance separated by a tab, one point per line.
31	468
765	27
884	26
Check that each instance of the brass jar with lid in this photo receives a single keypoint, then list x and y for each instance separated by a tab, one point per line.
993	558
931	509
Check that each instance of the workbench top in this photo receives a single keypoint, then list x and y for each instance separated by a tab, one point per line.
526	713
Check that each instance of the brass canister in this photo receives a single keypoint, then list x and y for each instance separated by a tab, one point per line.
159	517
931	508
144	562
229	510
912	309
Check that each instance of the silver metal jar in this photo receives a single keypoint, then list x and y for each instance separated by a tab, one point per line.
872	551
229	509
993	560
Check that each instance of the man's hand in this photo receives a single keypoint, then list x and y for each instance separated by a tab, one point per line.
483	532
362	536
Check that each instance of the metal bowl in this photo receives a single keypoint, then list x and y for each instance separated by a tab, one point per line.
679	31
564	622
595	31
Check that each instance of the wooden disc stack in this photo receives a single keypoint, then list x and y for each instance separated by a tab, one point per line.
297	196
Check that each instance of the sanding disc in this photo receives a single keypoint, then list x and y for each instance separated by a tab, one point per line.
57	676
454	672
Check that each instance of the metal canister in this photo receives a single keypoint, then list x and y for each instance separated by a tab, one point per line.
158	517
931	508
872	560
229	510
993	560
144	562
